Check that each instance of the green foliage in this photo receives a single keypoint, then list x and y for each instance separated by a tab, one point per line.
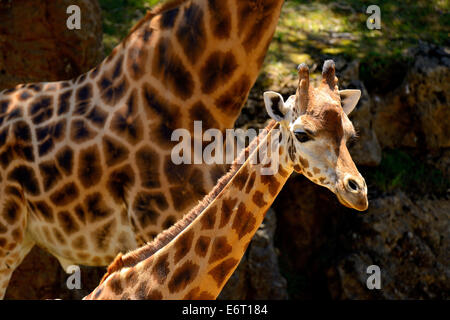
323	29
399	170
304	25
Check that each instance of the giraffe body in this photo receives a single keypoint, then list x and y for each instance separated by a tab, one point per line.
195	258
85	168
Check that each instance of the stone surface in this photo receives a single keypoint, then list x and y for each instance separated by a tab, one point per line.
365	150
308	216
36	45
409	241
329	247
415	114
40	276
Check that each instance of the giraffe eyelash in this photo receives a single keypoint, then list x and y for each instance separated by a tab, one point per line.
352	139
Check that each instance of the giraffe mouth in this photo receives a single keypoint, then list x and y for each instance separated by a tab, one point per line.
359	205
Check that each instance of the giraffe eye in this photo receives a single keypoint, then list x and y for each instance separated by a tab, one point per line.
302	136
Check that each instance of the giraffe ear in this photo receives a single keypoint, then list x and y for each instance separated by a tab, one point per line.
349	99
275	105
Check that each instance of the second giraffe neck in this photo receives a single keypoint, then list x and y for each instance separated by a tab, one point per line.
197	263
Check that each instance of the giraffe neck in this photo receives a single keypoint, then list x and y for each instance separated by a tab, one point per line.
192	60
198	261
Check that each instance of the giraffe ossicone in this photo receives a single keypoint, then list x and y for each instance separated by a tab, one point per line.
195	258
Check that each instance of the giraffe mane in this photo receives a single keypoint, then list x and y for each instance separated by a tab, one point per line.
133	257
158	9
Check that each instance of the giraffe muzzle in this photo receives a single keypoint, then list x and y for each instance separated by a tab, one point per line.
352	193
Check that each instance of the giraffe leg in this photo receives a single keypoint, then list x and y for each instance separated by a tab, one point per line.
14	245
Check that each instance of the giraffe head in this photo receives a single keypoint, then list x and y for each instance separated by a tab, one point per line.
316	129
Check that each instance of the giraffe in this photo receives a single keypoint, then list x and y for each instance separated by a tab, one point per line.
85	168
194	258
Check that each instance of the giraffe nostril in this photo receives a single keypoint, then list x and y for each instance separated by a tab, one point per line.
353	185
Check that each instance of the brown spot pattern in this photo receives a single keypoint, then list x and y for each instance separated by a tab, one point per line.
217	70
191	30
221	271
183	276
120	181
80	131
228	205
145	206
65	195
170	71
244	222
68	224
258	199
208	218
272	183
89	168
115	152
147	161
102	235
250	183
183	245
161	269
220	249
241	178
137	61
253	17
220	17
304	162
115	284
202	245
198	112
154	295
233	99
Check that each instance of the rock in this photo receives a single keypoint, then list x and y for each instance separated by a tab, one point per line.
266	282
258	276
36	45
412	115
308	216
348	73
365	150
409	241
326	248
40	276
443	162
